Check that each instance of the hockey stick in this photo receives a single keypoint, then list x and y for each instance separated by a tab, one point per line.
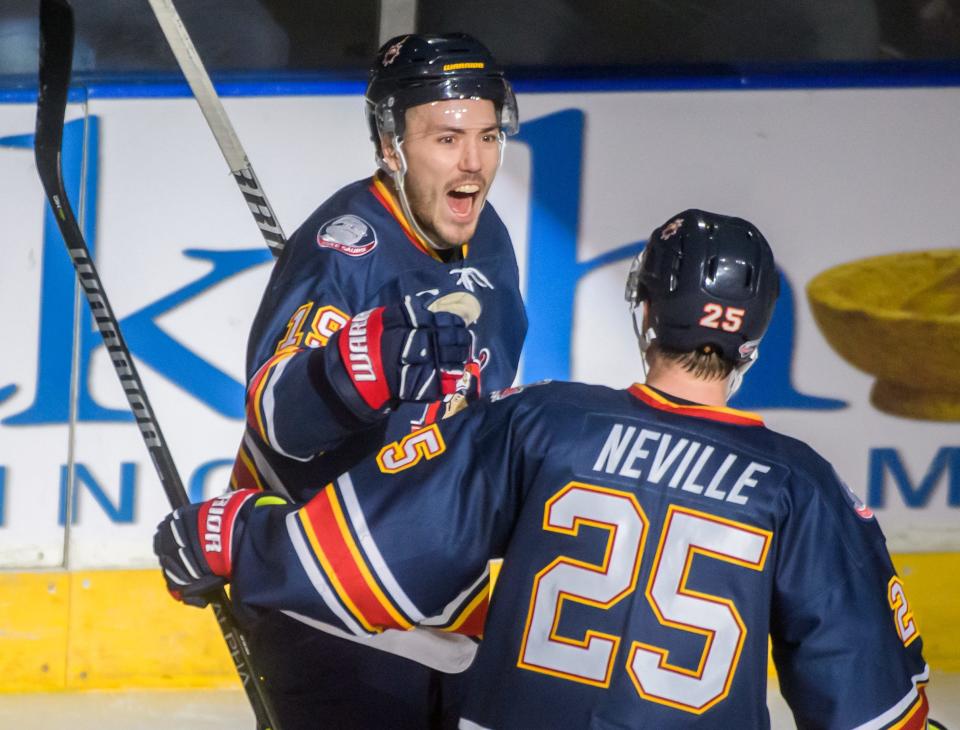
219	123
56	54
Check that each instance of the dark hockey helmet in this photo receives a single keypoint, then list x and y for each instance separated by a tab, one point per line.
417	69
707	280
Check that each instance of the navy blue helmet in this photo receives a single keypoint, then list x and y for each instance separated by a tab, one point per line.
417	69
709	282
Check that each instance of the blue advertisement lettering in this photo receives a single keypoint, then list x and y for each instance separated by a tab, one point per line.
887	461
554	272
147	341
124	511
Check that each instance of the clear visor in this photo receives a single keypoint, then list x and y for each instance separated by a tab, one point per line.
388	112
452	116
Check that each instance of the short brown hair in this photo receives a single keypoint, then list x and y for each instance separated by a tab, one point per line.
705	362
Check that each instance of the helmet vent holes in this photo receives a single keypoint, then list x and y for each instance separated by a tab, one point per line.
712	269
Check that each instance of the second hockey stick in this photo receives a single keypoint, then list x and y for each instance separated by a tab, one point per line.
219	123
56	53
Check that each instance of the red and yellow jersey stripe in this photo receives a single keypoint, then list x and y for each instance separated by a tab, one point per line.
713	413
336	549
245	474
469	620
257	419
915	717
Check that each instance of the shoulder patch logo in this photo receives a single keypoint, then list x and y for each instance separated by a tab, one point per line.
348	234
858	506
504	393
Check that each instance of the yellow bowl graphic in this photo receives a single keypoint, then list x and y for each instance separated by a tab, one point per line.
897	317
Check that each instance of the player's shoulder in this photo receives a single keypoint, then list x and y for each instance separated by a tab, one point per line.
342	241
814	478
799	456
555	400
344	227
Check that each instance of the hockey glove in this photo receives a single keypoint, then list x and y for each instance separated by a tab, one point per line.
393	354
194	544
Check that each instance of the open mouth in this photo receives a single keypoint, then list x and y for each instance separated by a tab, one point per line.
462	199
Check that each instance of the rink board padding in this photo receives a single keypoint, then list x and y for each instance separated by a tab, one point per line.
111	629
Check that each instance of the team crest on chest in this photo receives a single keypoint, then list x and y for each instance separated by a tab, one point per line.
348	234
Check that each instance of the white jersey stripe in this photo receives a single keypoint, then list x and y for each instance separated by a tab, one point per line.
263	466
457	603
466	724
450	653
898	709
305	554
268	404
372	552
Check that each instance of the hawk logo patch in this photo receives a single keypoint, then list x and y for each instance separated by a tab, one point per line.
348	234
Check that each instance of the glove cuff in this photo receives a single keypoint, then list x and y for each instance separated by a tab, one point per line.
216	523
359	346
354	373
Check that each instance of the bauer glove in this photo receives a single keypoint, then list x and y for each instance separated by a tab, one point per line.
395	354
195	545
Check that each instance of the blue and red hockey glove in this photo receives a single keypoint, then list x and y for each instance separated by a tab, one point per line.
195	545
395	354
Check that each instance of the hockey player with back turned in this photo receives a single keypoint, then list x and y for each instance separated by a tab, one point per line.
653	537
331	367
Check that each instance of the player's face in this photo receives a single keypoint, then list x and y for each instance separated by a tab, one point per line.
452	150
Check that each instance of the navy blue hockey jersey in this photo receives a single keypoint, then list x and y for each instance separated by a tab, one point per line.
650	550
354	253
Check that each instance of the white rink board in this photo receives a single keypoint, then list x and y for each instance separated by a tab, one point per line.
829	177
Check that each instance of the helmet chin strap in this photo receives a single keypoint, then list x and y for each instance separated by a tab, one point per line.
399	176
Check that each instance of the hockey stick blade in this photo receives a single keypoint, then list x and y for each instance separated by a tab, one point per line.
56	53
212	108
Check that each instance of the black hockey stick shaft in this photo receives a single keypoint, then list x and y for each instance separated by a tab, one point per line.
56	54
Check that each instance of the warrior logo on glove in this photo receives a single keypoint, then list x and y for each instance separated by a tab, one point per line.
195	544
400	353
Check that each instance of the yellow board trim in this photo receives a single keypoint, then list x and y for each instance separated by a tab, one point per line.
110	629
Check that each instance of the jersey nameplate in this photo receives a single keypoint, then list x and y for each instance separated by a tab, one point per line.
631	452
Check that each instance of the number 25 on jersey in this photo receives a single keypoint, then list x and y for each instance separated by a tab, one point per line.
686	533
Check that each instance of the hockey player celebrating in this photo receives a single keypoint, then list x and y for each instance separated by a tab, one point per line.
348	347
653	537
